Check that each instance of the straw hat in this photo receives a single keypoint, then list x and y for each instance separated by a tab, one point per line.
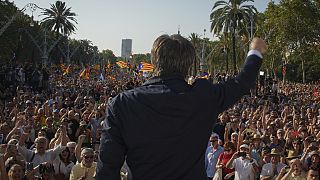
291	155
256	137
274	151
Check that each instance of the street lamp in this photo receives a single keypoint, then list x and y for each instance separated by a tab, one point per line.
31	6
202	63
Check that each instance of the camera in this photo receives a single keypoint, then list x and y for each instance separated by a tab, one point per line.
46	169
29	166
242	154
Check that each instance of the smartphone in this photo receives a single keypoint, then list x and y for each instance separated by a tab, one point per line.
242	154
29	166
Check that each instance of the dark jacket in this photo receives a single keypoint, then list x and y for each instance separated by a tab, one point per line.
162	128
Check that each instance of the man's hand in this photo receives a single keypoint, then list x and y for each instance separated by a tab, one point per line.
81	138
259	45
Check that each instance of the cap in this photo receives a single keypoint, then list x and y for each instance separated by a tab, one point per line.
244	146
28	102
215	135
71	144
83	123
56	111
314	153
234	134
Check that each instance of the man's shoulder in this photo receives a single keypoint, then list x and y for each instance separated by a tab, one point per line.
267	165
220	148
281	165
77	166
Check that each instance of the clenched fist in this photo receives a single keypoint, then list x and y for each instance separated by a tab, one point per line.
259	45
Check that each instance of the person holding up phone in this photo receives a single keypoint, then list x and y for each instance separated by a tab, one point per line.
271	170
245	166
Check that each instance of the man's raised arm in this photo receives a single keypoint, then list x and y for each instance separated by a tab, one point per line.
232	90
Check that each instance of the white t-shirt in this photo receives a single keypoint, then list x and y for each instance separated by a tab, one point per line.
243	169
267	169
60	167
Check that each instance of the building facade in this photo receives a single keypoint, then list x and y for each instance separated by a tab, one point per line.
126	48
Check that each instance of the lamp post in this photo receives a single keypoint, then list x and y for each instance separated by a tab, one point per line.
31	6
202	63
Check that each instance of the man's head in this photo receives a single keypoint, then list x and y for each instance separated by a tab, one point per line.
87	156
15	172
280	133
71	146
41	144
214	139
234	137
172	55
315	157
313	175
275	156
297	166
244	148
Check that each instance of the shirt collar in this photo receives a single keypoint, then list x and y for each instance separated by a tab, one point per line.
83	166
163	78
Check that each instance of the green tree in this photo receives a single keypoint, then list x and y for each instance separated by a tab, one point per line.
195	40
108	55
59	18
294	35
233	17
138	58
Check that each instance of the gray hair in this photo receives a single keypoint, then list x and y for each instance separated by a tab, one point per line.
71	144
87	151
172	54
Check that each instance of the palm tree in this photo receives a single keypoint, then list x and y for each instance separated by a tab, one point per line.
59	18
230	17
195	40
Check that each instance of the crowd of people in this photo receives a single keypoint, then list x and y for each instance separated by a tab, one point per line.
51	124
274	135
50	127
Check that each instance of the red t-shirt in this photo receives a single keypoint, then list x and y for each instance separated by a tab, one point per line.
224	158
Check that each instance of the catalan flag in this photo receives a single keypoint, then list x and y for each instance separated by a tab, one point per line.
85	73
145	67
63	67
67	71
122	64
97	67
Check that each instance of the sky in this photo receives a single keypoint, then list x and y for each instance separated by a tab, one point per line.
107	22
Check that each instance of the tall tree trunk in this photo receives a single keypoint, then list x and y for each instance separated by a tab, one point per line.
234	52
195	67
227	59
303	71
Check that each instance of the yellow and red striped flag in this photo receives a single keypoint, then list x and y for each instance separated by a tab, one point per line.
85	73
122	64
67	71
145	67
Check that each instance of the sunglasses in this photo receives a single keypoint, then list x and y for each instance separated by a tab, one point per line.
88	157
